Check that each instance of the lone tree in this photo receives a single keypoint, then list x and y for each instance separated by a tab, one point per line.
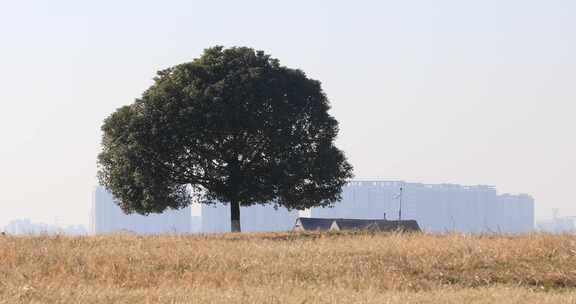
233	126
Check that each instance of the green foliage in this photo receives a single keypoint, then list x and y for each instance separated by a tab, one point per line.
234	126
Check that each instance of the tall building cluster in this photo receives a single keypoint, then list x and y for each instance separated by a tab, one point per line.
216	218
107	217
437	208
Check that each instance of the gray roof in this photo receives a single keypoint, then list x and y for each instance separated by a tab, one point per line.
311	223
380	225
307	223
359	224
404	225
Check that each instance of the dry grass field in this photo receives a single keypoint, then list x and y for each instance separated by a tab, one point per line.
289	268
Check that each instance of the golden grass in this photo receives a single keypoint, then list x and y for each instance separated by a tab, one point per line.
289	268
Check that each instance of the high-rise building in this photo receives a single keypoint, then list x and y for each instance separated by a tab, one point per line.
216	218
107	217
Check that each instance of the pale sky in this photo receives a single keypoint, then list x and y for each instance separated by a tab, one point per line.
467	92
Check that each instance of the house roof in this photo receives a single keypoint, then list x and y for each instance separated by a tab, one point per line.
404	225
355	224
311	223
358	224
380	225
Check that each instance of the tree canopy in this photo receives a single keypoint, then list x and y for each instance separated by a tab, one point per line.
232	126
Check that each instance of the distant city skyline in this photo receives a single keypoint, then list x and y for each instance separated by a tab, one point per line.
259	218
436	208
25	226
462	92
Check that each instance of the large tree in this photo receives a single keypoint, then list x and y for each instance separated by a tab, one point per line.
233	126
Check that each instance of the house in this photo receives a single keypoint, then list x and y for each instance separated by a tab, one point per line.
340	224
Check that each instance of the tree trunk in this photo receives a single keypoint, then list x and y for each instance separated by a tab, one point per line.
235	217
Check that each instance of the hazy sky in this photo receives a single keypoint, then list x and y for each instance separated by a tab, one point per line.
469	92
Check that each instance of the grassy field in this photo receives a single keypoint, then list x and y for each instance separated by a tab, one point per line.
289	268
